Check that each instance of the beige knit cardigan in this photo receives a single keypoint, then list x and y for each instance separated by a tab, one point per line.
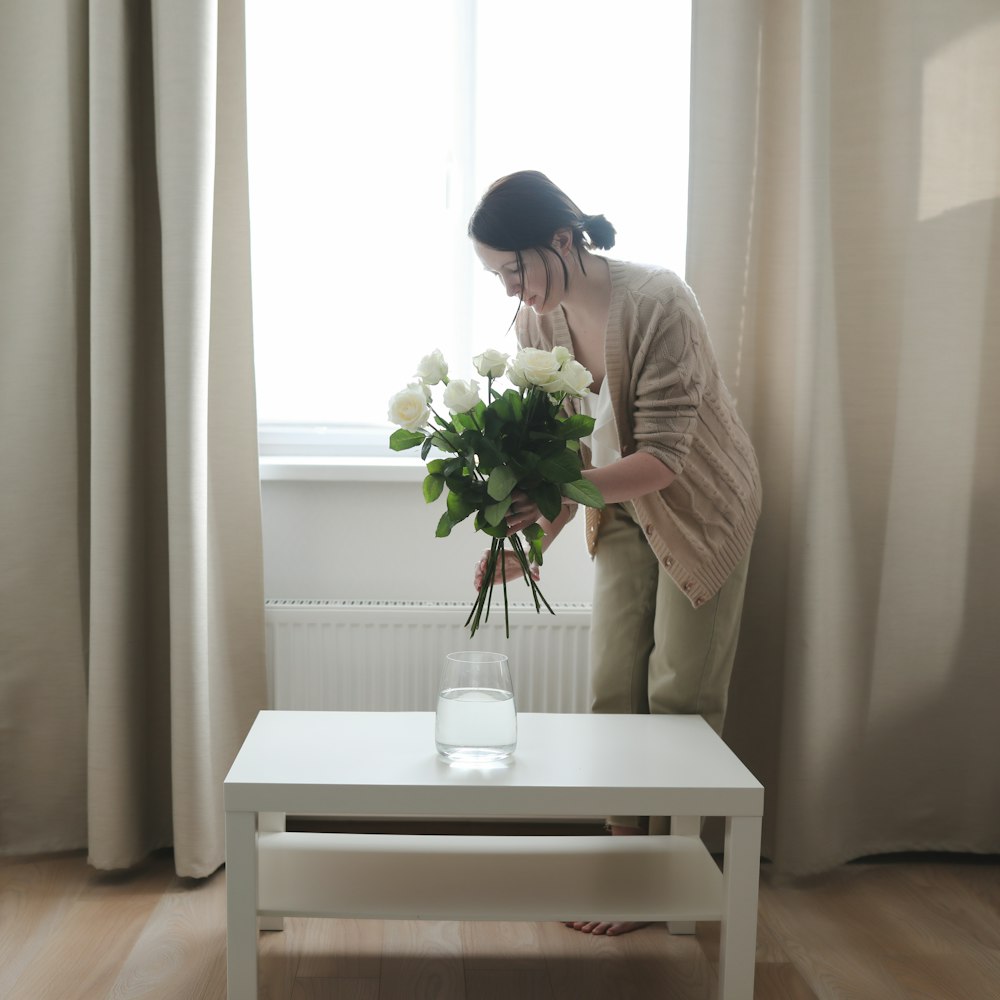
669	399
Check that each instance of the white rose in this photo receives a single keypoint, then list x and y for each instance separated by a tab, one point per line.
408	408
573	378
516	376
561	354
490	364
461	396
534	367
432	368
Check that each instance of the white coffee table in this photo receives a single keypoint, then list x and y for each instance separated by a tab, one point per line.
384	765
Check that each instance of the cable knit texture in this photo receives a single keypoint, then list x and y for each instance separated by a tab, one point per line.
669	399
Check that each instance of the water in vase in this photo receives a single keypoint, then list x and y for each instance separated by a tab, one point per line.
476	724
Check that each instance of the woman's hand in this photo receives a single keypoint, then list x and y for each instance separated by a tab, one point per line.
512	567
521	513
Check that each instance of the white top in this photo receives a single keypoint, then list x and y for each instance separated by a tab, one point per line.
385	764
603	442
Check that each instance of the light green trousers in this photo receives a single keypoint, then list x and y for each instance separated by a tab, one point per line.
651	651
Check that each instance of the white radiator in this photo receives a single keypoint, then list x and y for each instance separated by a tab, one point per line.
387	656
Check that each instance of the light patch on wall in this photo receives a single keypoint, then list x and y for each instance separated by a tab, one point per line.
960	142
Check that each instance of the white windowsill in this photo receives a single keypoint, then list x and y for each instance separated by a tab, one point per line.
346	469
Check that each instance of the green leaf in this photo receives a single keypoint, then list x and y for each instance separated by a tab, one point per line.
493	421
516	403
447	441
494	531
458	481
444	526
534	534
585	492
577	426
501	408
426	449
523	464
551	447
490	455
496	512
435	467
433	486
402	439
459	506
502	481
562	468
549	499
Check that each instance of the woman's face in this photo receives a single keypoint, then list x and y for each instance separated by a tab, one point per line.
529	286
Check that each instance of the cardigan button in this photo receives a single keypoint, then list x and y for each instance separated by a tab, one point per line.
668	561
649	529
699	601
687	587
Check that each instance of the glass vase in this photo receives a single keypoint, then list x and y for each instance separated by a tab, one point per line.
476	720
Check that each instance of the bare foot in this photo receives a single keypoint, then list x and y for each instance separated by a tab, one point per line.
610	928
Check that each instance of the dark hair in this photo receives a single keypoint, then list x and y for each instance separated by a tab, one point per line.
523	210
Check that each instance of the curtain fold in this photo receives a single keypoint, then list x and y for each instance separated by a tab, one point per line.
133	643
844	240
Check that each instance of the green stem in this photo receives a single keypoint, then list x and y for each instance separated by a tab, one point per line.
496	552
536	591
503	576
485	595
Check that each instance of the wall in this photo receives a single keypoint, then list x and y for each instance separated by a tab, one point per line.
375	541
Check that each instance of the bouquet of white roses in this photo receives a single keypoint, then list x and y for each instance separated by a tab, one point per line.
518	439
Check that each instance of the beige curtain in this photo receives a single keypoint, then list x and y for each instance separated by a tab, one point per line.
845	245
131	596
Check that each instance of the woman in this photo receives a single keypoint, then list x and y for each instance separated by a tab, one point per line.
668	453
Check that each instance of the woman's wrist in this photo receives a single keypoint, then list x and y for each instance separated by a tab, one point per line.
630	477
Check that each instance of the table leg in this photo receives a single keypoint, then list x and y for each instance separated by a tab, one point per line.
241	905
741	878
684	826
271	823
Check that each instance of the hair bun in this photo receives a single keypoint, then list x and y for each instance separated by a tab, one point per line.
600	232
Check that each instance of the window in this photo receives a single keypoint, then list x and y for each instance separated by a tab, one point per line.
374	128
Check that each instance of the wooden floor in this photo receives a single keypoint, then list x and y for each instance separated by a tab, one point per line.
923	928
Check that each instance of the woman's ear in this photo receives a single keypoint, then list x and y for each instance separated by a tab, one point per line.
562	240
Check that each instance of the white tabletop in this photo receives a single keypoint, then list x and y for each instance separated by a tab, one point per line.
384	764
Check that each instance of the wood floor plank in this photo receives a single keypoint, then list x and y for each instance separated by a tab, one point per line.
502	945
82	956
768	952
278	954
336	989
506	984
780	981
422	960
939	977
340	949
647	963
181	951
35	896
921	930
832	942
965	897
899	918
672	963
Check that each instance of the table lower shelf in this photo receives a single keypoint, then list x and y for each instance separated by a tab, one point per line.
394	876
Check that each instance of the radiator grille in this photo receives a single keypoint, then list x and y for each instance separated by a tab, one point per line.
386	655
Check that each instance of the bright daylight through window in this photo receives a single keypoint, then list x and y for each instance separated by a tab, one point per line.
373	130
